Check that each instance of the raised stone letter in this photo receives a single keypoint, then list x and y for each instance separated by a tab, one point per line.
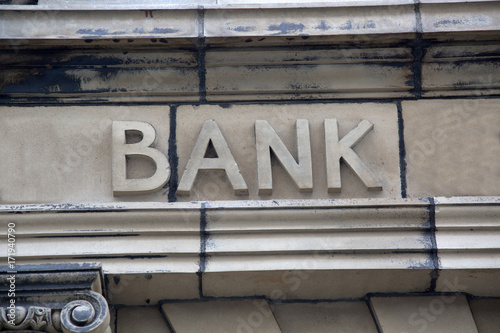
122	185
210	132
267	139
336	149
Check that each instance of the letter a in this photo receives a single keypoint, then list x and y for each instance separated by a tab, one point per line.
335	150
225	160
122	185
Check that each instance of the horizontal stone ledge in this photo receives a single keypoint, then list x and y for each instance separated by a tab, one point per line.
207	4
278	203
249	204
295	19
194	4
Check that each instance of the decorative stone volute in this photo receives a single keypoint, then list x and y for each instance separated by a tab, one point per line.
48	304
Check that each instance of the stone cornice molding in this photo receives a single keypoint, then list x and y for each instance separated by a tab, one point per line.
84	20
332	239
206	4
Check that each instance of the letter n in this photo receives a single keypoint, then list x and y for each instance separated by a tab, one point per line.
267	140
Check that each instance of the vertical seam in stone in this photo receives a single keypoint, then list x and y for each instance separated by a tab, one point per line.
173	158
418	16
372	312
416	67
203	245
202	72
402	150
434	255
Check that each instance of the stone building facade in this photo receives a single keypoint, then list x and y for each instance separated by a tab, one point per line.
250	166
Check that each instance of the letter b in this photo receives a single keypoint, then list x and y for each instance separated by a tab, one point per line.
122	185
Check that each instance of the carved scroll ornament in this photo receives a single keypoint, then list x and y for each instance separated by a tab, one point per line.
81	312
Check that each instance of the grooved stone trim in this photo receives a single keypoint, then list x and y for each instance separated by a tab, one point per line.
468	69
295	73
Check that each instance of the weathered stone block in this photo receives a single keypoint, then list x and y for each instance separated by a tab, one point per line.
237	124
452	147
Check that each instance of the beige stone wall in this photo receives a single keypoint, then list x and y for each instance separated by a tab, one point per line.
401	96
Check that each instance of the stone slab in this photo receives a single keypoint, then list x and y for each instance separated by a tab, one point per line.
74	24
311	21
139	320
445	313
452	147
486	314
63	154
378	150
460	16
302	283
295	73
221	316
148	289
324	317
468	69
475	281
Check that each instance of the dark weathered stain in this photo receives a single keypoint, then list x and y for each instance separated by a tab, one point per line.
427	264
247	28
97	32
116	279
323	26
357	26
18	2
92	33
42	81
302	86
445	23
286	27
164	31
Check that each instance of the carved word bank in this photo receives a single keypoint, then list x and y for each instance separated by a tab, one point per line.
267	141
